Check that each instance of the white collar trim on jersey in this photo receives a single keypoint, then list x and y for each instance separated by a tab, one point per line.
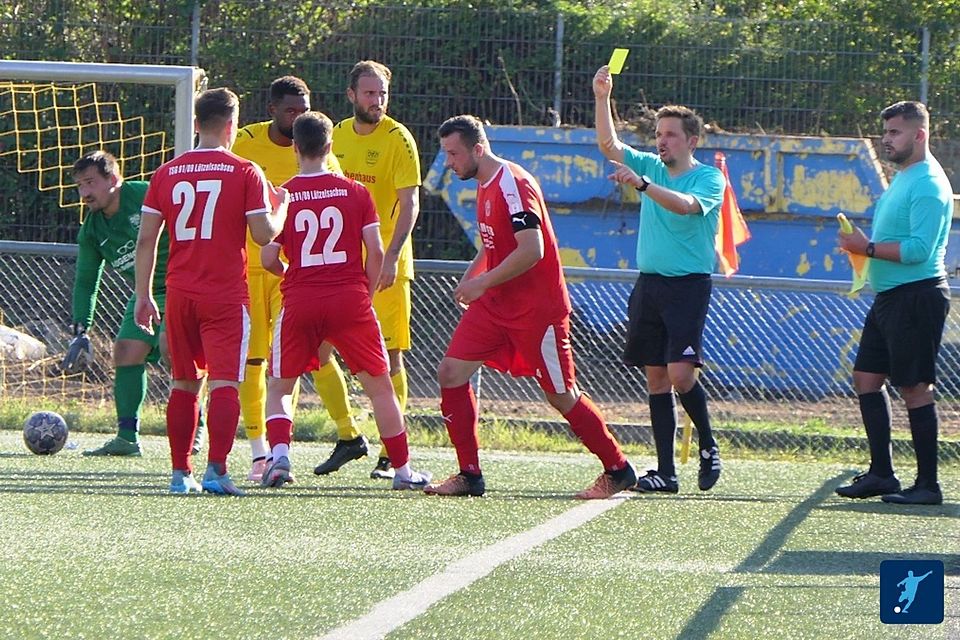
313	175
503	167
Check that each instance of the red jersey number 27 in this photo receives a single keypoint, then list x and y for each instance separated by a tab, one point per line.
185	195
308	221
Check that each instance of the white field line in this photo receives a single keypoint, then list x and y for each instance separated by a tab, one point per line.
388	615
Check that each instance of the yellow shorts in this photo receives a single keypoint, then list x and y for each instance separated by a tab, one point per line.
265	304
393	312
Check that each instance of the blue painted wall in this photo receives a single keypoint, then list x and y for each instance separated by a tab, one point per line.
789	188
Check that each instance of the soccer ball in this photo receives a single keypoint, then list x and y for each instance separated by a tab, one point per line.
45	432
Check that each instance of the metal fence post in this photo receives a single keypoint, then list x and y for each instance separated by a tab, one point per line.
925	65
558	65
195	34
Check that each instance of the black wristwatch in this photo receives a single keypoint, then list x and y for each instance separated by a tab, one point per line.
871	249
644	183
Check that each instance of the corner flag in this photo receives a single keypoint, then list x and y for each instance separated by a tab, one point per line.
732	230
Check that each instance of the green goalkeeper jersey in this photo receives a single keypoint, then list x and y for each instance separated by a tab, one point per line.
113	241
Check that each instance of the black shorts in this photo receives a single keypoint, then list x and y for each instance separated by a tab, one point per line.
666	316
902	332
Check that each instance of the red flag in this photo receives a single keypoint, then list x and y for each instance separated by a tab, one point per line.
732	230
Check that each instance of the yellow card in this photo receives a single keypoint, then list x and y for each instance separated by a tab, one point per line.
617	58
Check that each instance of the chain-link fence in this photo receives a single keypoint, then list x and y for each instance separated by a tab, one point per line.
508	65
779	352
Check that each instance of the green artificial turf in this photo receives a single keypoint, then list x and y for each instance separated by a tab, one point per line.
95	548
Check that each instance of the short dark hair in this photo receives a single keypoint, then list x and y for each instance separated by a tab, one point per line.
215	107
368	68
469	127
691	122
311	133
910	110
104	161
288	86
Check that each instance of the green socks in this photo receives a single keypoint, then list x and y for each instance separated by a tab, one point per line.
129	392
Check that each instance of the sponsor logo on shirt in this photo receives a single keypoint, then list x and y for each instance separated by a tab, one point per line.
486	234
127	256
361	177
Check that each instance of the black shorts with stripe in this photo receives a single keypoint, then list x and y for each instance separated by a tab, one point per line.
666	316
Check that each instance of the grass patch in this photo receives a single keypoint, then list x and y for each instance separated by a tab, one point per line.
94	548
812	441
806	427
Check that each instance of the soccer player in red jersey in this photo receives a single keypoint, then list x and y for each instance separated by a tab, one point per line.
327	289
517	316
208	197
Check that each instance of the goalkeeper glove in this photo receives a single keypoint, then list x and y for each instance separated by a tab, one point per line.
79	354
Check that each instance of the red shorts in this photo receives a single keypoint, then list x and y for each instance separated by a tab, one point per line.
206	338
544	352
345	319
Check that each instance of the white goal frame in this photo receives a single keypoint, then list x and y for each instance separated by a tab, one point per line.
185	80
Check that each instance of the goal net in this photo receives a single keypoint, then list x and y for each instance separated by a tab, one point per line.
51	113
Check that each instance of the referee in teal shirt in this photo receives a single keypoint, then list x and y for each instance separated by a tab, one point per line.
679	214
904	326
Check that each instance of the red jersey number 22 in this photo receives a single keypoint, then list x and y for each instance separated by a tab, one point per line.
308	221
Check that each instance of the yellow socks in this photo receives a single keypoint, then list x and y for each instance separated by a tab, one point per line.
253	392
332	390
399	381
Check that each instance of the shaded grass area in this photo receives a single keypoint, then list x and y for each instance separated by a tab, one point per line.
93	548
771	553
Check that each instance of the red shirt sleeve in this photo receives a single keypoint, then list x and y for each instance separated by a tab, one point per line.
529	199
257	190
151	201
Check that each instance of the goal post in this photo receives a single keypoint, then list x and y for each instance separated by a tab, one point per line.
185	80
51	113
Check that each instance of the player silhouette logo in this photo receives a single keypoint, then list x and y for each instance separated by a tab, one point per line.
912	591
909	592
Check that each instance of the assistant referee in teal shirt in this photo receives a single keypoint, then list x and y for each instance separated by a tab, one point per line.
904	326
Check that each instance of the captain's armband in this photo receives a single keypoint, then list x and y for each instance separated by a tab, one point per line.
524	220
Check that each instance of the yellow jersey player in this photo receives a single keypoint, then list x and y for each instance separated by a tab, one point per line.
379	152
270	144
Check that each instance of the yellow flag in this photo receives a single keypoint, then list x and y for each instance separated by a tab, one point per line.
859	264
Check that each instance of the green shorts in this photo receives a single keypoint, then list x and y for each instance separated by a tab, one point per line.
130	331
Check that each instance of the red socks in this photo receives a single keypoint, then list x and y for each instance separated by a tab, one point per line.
397	449
223	415
459	408
588	425
279	430
183	410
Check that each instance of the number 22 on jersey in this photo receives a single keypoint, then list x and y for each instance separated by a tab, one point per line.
308	221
